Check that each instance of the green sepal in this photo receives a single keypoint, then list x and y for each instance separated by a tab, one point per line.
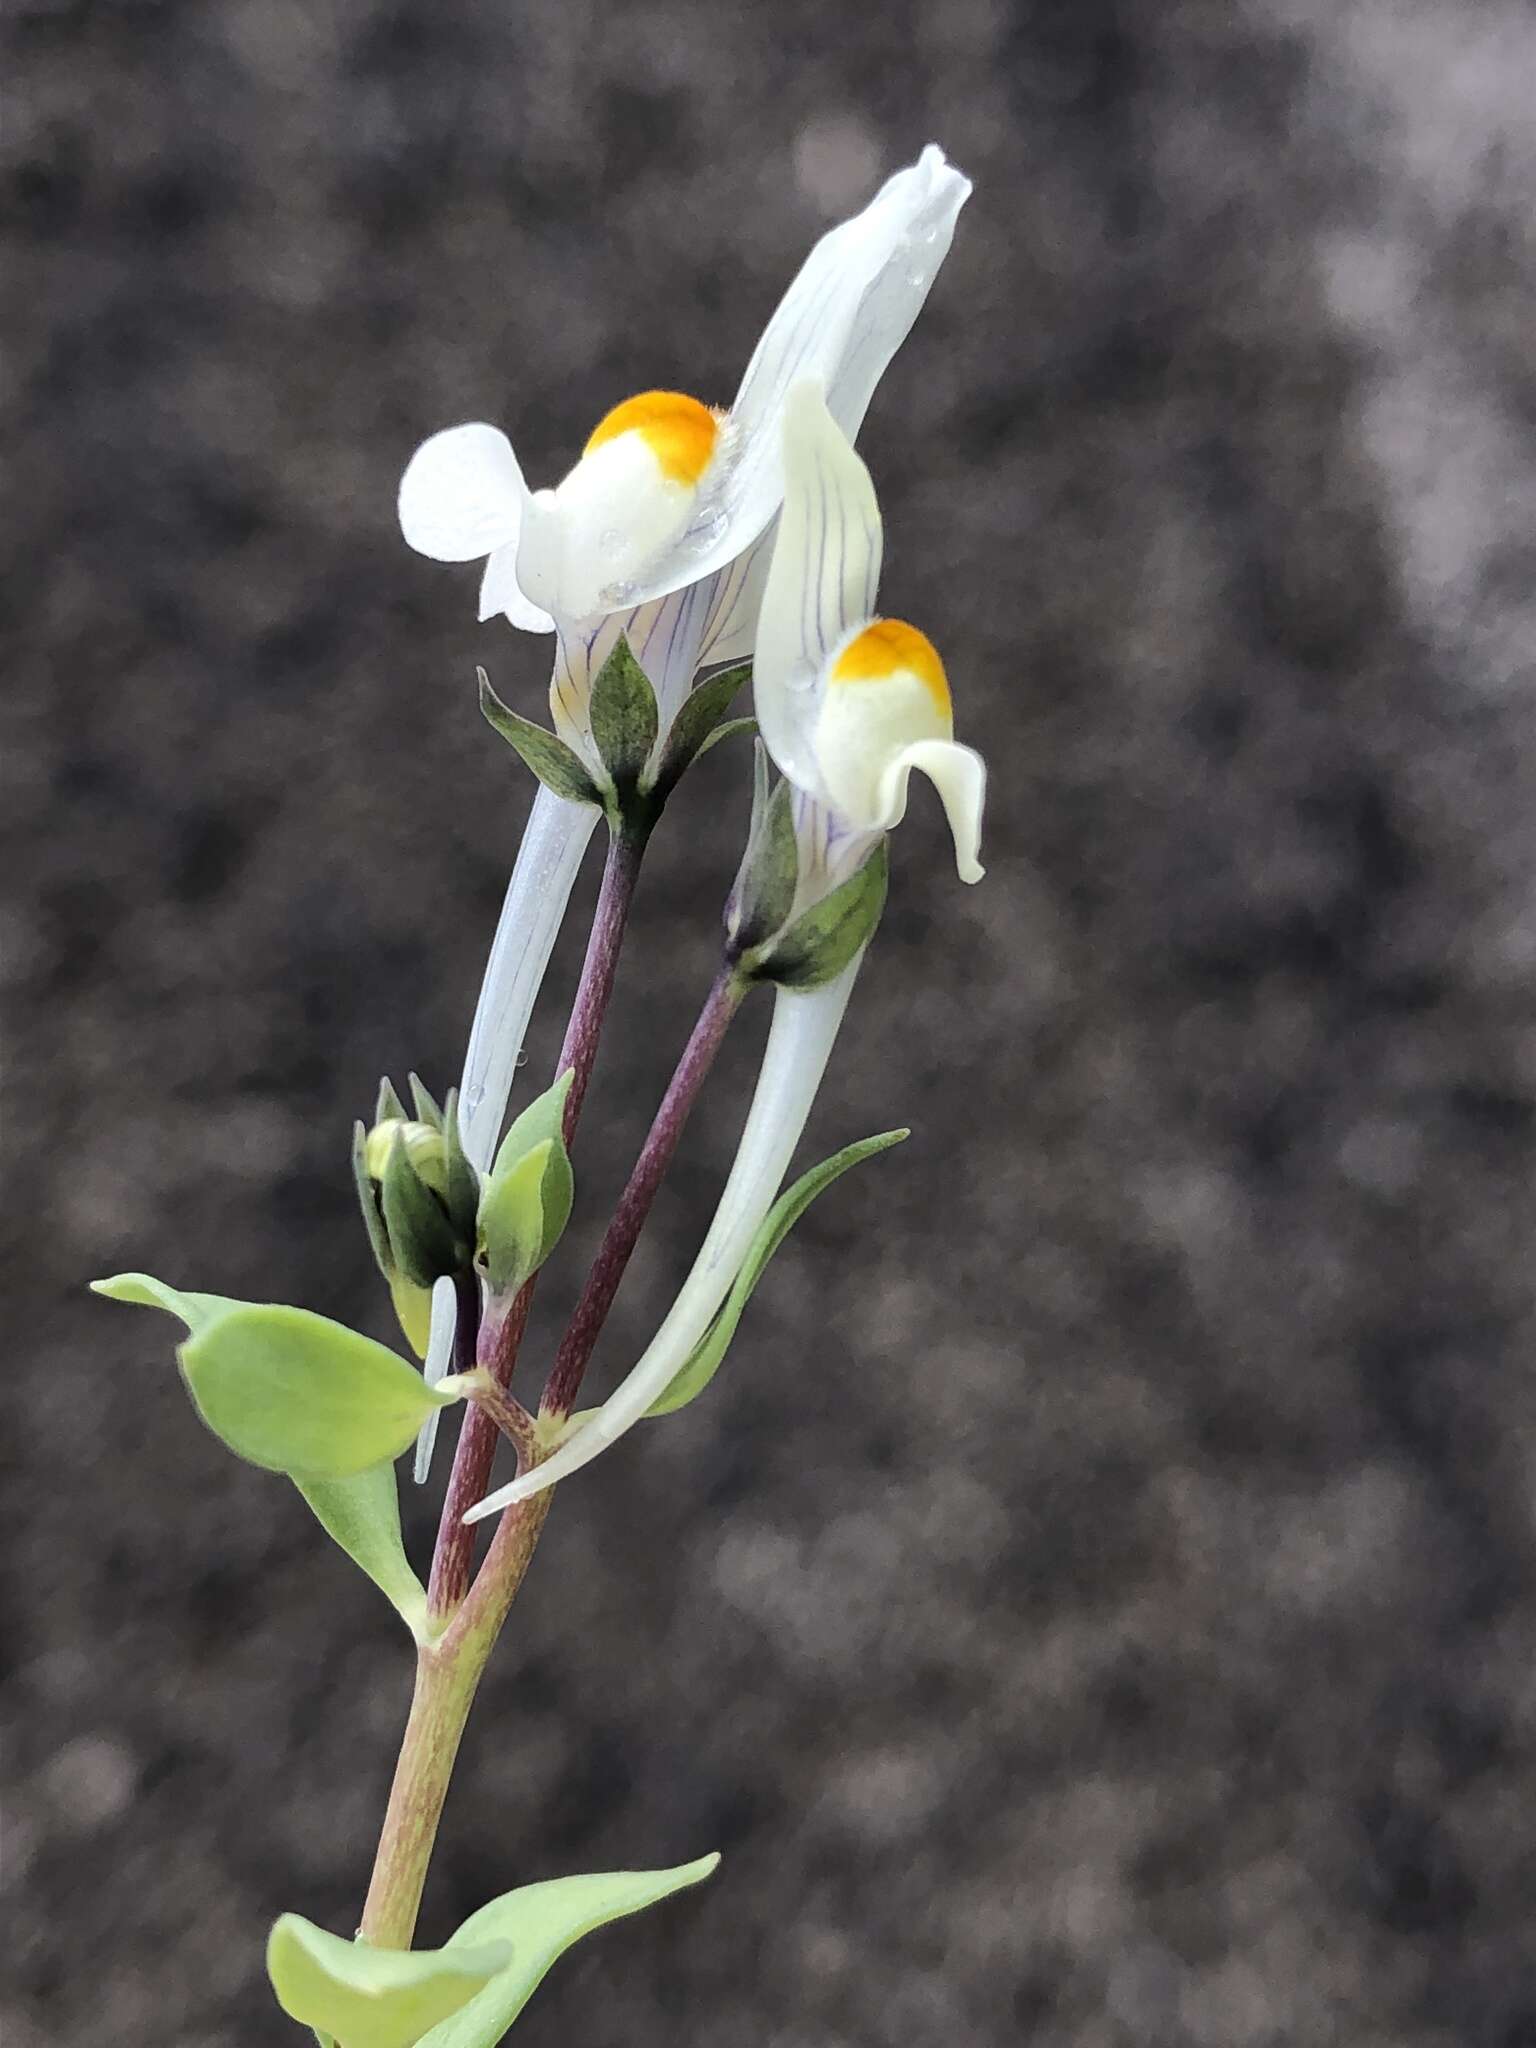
764	894
559	767
541	1921
427	1111
373	1997
624	717
297	1393
421	1236
697	727
389	1107
705	1359
368	1201
821	941
463	1194
526	1201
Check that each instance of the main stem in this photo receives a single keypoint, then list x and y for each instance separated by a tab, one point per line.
613	1254
469	1481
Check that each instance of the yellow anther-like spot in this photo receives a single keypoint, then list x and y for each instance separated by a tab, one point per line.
679	431
890	647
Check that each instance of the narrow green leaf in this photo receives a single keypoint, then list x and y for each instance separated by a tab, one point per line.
463	1183
822	940
559	767
195	1310
624	715
372	1997
541	1921
297	1393
705	1360
362	1514
697	726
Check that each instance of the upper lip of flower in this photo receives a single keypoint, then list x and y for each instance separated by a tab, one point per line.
849	705
463	495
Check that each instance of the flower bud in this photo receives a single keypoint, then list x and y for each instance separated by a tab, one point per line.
419	1197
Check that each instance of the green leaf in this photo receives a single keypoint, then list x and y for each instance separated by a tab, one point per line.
543	1118
559	767
624	715
362	1514
512	1223
764	894
704	1362
372	1997
542	1921
195	1310
297	1393
822	940
524	1208
697	726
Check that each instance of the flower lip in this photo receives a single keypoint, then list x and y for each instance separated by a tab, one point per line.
888	648
680	432
845	314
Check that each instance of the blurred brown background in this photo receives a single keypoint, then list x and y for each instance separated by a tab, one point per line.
1098	1604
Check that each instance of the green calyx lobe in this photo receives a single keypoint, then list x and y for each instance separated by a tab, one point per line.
767	938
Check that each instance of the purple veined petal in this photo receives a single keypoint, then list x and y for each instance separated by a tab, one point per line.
821	583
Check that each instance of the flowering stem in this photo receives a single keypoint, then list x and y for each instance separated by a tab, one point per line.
448	1672
613	1254
500	1337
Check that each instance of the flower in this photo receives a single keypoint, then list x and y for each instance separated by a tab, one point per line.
668	491
849	704
660	531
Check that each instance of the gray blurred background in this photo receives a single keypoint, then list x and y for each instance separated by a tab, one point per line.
1098	1604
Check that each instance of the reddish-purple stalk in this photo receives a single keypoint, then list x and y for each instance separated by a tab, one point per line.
494	1341
622	1234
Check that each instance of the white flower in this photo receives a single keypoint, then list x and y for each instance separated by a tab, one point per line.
668	491
660	531
849	704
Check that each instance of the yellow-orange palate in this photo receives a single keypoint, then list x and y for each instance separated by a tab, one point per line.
887	648
679	431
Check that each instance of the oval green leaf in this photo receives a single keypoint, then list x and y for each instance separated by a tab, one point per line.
541	1921
372	1997
297	1393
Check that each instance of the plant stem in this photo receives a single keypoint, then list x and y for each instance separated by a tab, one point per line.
613	1254
448	1671
498	1344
